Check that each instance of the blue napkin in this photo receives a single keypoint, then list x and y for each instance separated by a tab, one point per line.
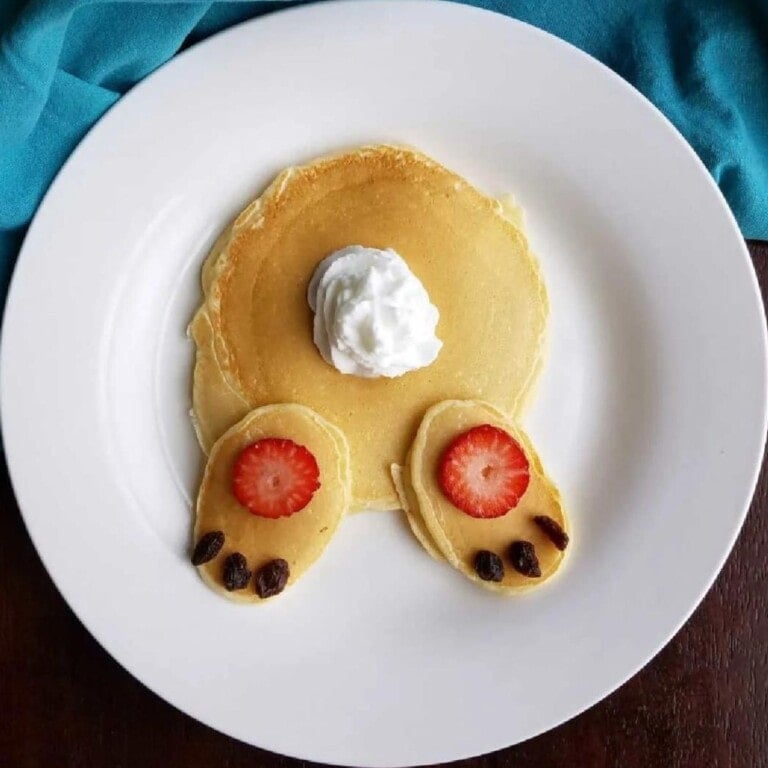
63	63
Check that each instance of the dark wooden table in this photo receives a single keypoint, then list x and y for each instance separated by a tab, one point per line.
703	701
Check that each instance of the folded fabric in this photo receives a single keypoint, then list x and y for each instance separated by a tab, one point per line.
63	63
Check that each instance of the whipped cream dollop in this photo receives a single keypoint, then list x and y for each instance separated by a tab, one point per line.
373	317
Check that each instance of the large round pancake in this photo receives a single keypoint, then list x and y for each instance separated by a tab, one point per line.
457	536
473	261
301	538
216	405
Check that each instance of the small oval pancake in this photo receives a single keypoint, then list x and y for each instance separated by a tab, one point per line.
456	535
401	477
301	538
473	261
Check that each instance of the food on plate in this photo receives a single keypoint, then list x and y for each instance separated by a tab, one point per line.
272	578
423	289
222	405
208	546
370	332
401	477
274	490
553	531
522	554
275	477
484	472
373	316
488	566
473	490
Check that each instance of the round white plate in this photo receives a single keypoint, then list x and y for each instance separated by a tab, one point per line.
651	411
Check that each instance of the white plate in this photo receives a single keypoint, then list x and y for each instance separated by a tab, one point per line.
651	412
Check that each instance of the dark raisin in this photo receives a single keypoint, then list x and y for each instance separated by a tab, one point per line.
524	560
236	573
272	578
488	566
553	531
208	547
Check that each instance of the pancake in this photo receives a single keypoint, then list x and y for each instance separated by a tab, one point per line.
458	537
216	406
473	261
299	539
401	477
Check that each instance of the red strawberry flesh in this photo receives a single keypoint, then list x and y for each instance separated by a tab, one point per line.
484	472
275	477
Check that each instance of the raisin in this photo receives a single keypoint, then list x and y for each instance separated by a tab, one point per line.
553	531
208	547
524	560
488	566
272	578
236	573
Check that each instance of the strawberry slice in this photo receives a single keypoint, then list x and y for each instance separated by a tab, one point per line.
275	477
484	472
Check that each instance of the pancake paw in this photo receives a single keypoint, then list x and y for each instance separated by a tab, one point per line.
475	494
274	490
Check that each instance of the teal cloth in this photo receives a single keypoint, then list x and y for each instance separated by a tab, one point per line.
63	63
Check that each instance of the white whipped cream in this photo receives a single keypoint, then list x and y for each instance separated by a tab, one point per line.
373	316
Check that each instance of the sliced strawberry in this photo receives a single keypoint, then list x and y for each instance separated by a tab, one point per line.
484	472
275	477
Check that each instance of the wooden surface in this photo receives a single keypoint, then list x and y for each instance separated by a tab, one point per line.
703	701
